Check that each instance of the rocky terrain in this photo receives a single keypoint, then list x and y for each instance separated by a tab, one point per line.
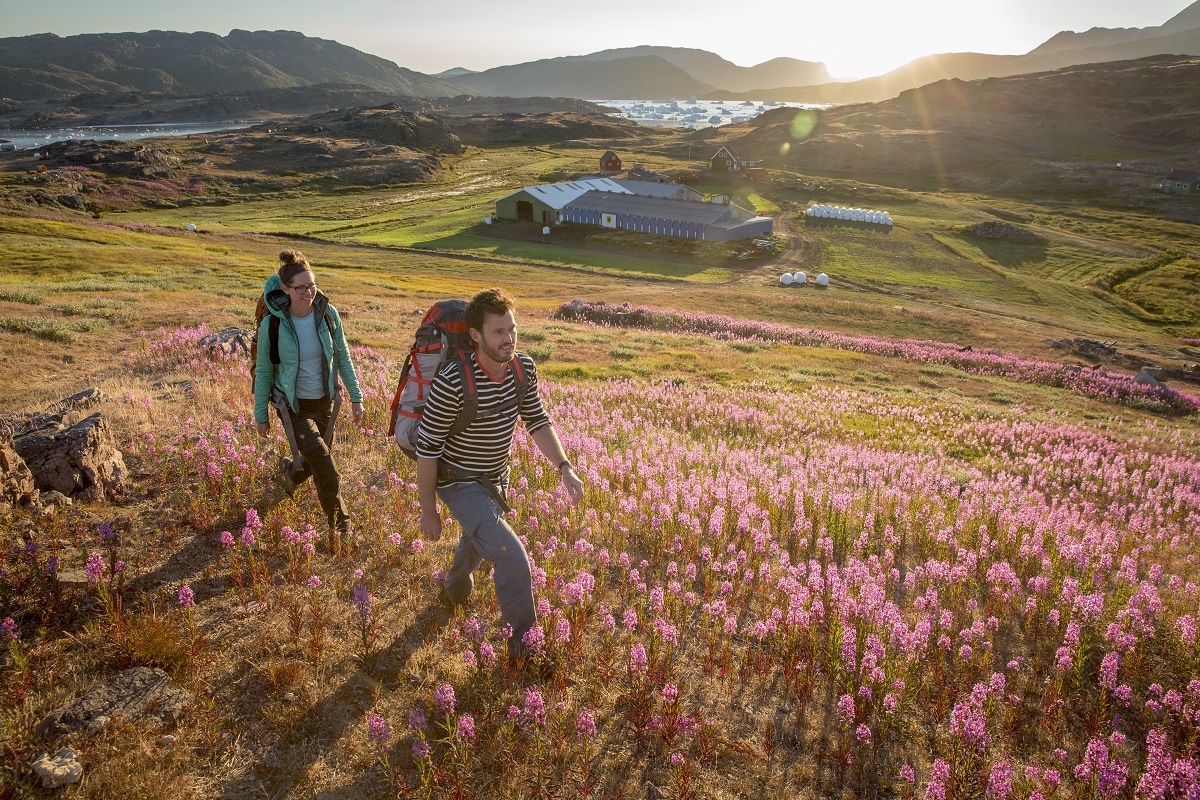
1105	131
143	108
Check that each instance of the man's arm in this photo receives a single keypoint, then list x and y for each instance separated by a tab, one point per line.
546	439
431	521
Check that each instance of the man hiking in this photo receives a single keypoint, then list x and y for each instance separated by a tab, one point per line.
468	471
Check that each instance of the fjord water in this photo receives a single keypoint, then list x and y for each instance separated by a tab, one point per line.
33	138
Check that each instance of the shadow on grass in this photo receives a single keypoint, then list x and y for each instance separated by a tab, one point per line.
287	763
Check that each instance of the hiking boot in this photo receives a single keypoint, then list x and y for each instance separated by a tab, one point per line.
447	602
285	466
341	538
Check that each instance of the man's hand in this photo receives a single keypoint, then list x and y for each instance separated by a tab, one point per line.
263	429
431	524
356	411
573	485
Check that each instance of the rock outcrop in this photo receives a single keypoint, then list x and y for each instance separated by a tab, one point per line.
16	481
72	449
138	693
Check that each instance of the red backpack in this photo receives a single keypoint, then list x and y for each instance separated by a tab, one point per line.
441	337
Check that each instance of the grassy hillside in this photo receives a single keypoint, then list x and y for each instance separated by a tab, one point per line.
880	539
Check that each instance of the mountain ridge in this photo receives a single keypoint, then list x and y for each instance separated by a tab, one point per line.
45	65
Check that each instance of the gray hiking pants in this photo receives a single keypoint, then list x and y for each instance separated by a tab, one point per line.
487	535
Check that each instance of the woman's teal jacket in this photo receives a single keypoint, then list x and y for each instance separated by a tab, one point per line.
284	376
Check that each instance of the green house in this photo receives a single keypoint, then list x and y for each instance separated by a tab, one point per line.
1182	181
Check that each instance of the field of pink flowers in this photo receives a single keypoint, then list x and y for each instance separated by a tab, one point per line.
764	593
1092	383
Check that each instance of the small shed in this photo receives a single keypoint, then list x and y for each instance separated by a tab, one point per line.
1182	181
610	162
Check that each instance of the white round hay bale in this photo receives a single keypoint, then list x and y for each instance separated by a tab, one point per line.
810	212
800	278
487	220
786	279
822	279
546	229
191	226
842	213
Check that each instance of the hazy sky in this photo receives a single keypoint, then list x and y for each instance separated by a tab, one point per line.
855	38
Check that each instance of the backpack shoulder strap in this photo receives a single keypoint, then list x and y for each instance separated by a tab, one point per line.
466	379
522	381
273	336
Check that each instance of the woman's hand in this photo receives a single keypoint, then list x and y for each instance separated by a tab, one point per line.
356	411
263	429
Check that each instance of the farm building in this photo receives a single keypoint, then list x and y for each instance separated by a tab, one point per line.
726	160
668	209
665	216
545	203
1181	181
675	191
639	173
610	162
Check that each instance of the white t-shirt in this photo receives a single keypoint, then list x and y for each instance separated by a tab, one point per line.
310	380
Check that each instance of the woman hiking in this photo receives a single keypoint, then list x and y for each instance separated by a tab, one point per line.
302	355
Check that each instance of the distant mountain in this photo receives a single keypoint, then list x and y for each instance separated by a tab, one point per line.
454	72
46	65
998	134
1185	20
721	74
1122	45
628	78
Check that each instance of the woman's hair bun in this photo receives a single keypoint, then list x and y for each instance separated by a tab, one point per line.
289	257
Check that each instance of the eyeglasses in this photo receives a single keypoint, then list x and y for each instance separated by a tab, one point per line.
307	288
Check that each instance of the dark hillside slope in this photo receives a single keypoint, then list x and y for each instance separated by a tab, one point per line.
637	77
1001	134
46	65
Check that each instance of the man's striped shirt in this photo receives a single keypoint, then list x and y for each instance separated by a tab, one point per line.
484	445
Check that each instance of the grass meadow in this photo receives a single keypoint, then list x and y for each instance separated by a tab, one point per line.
873	541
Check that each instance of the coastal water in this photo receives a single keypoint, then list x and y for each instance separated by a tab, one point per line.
693	113
32	139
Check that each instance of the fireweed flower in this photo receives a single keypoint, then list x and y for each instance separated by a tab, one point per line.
466	727
226	540
535	707
587	725
416	719
8	629
637	660
444	698
377	731
94	569
362	601
1000	781
186	598
314	582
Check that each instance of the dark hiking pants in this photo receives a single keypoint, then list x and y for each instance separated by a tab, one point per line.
309	424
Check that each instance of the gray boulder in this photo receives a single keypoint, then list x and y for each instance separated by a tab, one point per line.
71	449
229	341
1147	377
133	694
60	770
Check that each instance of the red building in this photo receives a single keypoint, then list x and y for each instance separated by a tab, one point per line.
610	162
